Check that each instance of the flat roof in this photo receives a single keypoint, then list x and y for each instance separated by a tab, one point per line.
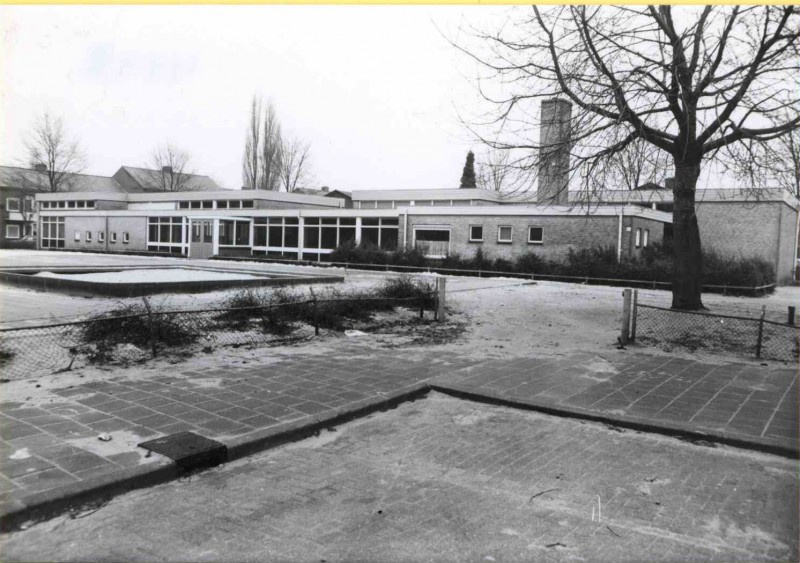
455	211
260	195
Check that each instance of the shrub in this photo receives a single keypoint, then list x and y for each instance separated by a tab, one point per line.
406	287
503	265
531	263
481	260
131	324
408	257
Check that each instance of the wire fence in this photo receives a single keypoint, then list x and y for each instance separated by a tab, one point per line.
744	336
130	338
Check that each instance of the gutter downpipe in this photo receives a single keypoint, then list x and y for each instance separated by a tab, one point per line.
619	238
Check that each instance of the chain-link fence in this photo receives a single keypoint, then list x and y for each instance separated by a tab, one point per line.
743	336
122	339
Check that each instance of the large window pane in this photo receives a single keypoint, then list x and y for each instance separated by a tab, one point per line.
291	235
311	237
369	236
328	238
275	236
260	235
242	233
346	234
389	239
177	233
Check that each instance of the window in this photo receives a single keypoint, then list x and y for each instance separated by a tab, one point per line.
52	232
504	233
77	236
646	239
101	236
432	241
165	231
12	204
638	241
12	231
112	237
247	204
476	233
535	235
88	236
183	205
382	233
28	204
125	238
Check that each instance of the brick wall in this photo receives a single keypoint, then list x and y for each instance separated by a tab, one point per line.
135	226
559	233
747	229
82	224
629	228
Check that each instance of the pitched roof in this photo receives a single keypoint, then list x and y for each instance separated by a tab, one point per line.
194	183
26	179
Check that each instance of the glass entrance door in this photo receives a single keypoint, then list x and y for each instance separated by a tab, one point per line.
202	245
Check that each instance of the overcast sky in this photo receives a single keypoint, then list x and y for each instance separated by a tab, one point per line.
376	90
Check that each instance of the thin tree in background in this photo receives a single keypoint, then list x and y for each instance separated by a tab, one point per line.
295	160
271	151
169	169
252	146
468	179
49	144
494	171
700	87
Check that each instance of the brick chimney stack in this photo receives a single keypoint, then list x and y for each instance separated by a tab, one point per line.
554	138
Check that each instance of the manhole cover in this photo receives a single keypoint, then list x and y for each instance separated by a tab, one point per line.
189	450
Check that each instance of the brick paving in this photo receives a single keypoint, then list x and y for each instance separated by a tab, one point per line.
53	444
747	401
442	479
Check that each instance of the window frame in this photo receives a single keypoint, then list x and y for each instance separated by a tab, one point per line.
537	241
13	225
126	237
8	205
78	235
637	238
101	236
645	238
510	239
469	233
88	236
112	237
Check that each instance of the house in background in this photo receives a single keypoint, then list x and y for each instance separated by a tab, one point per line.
19	186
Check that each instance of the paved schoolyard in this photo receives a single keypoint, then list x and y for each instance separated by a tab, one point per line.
444	479
54	442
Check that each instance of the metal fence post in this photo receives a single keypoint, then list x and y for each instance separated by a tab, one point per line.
626	317
150	326
760	331
634	313
791	315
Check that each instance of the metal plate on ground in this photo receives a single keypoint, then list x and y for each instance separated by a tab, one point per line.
189	450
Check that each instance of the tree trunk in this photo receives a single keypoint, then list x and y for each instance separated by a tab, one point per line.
687	277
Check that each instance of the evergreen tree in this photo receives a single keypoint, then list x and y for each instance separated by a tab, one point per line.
468	175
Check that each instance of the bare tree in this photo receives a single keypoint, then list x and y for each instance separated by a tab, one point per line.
693	82
250	164
494	171
170	168
271	151
788	175
295	161
49	146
